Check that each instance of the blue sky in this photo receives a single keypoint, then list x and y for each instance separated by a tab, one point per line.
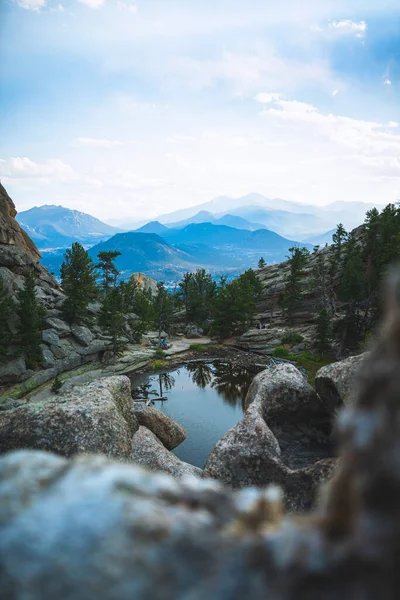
139	107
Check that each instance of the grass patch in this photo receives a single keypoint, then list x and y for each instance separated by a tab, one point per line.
310	362
157	365
159	354
198	347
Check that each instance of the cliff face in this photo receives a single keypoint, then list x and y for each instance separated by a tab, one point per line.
63	347
11	233
273	279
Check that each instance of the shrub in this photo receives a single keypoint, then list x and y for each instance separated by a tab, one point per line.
292	338
56	385
198	347
157	365
281	352
159	354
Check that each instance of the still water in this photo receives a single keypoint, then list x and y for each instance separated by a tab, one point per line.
206	398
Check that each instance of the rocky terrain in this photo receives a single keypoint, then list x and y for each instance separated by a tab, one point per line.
92	528
272	279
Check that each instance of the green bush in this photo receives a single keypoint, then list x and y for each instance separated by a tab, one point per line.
157	365
281	352
159	353
56	385
292	338
198	347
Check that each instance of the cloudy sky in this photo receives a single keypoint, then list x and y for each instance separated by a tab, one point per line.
139	107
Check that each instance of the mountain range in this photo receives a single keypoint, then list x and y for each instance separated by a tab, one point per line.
202	236
53	226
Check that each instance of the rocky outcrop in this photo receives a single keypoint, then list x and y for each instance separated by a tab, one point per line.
284	416
149	452
93	529
64	347
281	393
11	233
336	383
96	417
169	432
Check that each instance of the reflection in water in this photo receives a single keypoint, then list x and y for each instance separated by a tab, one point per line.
201	374
206	398
232	382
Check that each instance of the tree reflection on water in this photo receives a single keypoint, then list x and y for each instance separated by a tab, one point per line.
202	374
232	382
229	380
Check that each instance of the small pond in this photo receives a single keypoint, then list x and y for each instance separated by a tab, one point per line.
206	398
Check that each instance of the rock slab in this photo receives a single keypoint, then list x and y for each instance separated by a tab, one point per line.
96	417
169	432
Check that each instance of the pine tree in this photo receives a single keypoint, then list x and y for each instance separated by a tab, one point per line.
198	291
79	283
112	319
108	270
320	283
261	263
292	295
339	239
6	310
31	315
163	308
324	333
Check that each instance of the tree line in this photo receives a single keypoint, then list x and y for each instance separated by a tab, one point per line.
346	281
204	302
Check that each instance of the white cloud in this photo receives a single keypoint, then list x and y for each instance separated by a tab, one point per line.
374	140
127	5
93	3
346	26
266	98
52	169
335	92
35	5
387	82
88	142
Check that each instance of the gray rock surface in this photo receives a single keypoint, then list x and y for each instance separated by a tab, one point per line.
96	417
336	383
48	357
12	370
281	393
248	454
51	337
149	452
169	432
61	327
83	335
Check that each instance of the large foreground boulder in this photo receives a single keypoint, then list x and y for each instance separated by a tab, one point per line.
149	452
281	393
169	432
96	417
336	383
251	454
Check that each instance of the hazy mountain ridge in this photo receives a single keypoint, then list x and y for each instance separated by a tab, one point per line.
57	226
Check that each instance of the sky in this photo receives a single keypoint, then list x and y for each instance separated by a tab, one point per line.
132	108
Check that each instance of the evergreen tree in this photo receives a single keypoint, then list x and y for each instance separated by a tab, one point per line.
112	318
108	270
321	282
31	315
261	263
198	291
292	295
235	304
163	308
79	283
339	239
6	310
324	333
